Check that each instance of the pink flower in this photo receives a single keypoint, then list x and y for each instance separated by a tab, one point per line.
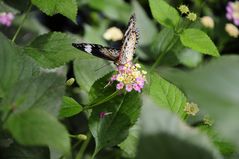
232	12
113	78
137	87
6	18
128	87
120	86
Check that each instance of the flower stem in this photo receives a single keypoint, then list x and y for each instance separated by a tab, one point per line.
169	46
84	146
23	20
103	100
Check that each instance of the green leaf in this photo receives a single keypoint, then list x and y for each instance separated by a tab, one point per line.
99	91
130	144
44	92
53	49
214	87
13	65
69	107
38	128
22	152
117	9
87	71
67	8
167	95
164	13
170	138
162	41
144	24
113	128
189	57
198	41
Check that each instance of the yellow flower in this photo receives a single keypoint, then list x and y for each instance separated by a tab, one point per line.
191	109
192	16
120	78
207	21
232	30
183	9
113	34
137	65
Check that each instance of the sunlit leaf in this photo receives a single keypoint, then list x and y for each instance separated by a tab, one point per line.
164	13
167	95
198	41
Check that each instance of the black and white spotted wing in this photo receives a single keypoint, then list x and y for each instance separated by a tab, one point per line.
120	57
98	50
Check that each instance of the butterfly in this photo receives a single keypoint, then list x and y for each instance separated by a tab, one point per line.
119	56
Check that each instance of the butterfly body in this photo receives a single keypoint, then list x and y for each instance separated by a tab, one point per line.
120	57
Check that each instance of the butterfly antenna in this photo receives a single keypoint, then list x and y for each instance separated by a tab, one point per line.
102	67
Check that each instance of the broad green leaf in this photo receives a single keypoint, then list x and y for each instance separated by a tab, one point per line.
67	8
53	49
69	107
99	90
144	24
38	128
198	41
130	144
44	92
13	65
164	135
16	151
226	148
113	128
214	87
167	95
117	9
164	13
87	71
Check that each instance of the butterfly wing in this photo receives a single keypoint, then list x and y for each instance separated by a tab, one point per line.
130	41
98	50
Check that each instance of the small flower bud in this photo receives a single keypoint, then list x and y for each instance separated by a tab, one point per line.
207	21
183	9
207	120
232	30
113	34
191	109
192	16
70	81
82	137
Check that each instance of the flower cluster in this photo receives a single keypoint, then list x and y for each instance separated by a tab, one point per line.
130	77
191	109
190	15
6	18
232	14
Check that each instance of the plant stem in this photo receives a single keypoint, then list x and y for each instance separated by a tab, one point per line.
103	100
170	45
84	146
20	26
